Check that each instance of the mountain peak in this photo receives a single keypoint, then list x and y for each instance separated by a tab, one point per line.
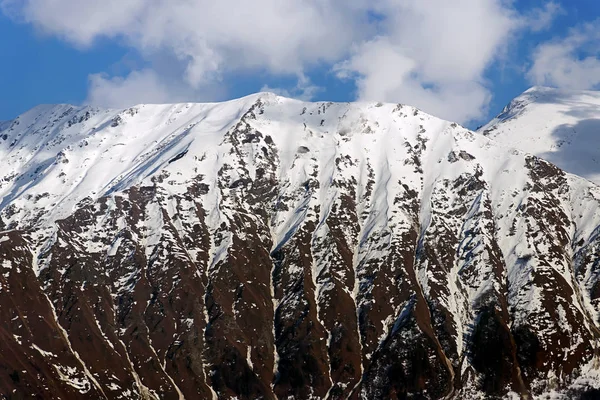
562	126
65	153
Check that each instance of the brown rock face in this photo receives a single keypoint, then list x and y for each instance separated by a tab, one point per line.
385	255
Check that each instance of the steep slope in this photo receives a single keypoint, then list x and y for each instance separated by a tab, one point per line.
269	248
561	126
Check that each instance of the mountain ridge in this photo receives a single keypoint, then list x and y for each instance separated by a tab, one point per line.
272	248
555	124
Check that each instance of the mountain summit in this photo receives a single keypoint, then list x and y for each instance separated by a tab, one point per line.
271	248
561	126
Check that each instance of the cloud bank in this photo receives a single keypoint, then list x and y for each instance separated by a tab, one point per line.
429	53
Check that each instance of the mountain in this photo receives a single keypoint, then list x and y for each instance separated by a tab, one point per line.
561	126
270	248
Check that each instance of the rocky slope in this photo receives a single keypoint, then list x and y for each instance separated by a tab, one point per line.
269	248
562	126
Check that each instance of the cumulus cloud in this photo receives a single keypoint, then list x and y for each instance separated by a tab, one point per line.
124	92
144	86
304	89
210	36
383	73
434	53
206	40
570	62
429	53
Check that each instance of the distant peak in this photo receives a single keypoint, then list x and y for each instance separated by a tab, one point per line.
557	92
538	88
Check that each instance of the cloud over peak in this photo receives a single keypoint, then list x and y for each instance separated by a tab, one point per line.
429	53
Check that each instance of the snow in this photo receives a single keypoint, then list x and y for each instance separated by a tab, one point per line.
70	374
59	157
56	163
559	125
42	352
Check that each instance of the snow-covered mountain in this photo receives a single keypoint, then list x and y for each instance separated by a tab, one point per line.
270	248
561	126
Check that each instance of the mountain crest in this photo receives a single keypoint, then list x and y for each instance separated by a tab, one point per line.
272	248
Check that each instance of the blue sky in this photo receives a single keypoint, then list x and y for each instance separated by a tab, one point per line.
462	62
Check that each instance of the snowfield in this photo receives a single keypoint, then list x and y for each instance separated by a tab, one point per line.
561	126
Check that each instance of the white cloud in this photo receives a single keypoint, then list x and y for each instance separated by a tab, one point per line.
541	19
304	89
429	53
144	86
433	55
124	92
570	62
383	73
210	37
77	21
